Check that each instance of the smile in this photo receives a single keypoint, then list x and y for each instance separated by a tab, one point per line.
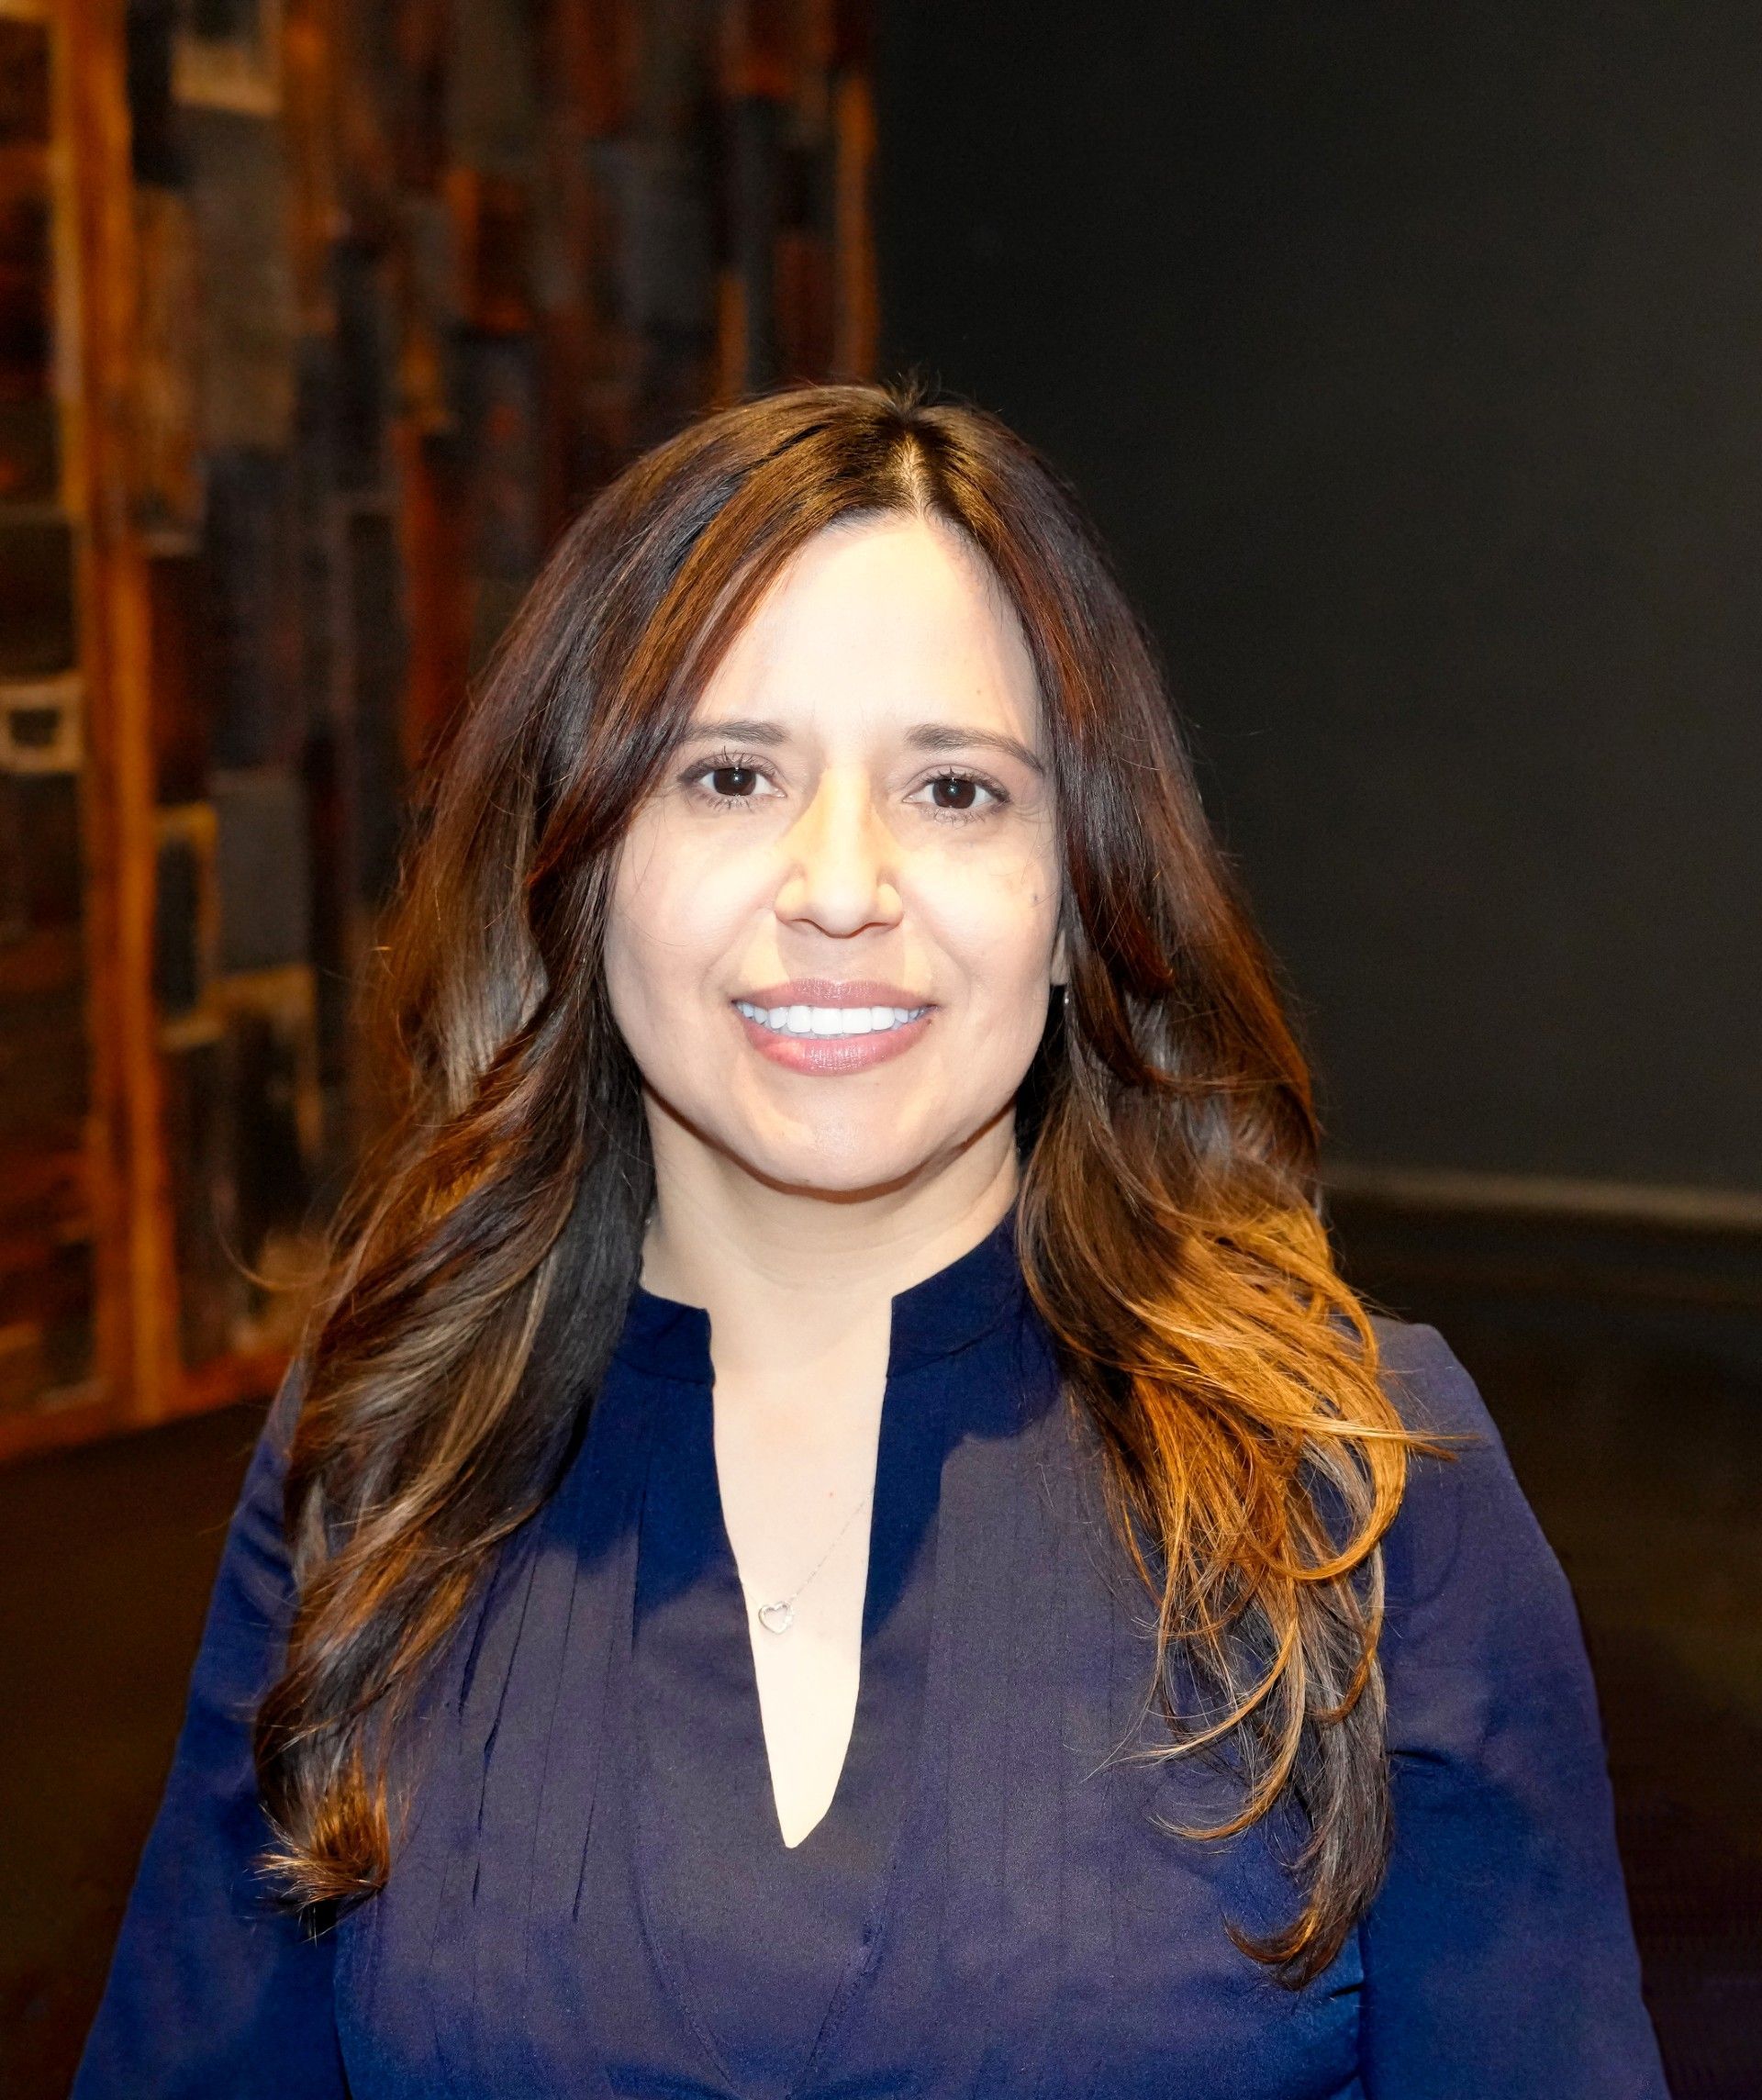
835	1021
831	1042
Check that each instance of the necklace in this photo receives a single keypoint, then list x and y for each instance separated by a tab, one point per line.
780	1615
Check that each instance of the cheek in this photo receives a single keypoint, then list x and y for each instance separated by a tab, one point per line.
672	920
642	927
998	923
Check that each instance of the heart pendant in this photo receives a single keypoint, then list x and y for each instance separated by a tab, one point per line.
776	1618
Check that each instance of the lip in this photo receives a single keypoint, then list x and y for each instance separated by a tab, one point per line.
833	991
826	1055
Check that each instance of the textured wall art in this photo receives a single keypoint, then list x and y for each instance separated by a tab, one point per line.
317	323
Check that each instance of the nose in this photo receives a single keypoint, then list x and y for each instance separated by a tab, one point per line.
839	876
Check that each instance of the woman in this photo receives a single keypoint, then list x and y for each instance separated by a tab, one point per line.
839	1531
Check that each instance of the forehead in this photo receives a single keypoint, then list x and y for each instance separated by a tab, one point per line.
883	613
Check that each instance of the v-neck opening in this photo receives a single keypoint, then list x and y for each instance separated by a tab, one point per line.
754	1705
665	1866
711	1871
929	1322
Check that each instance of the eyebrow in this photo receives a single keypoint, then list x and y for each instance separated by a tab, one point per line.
920	736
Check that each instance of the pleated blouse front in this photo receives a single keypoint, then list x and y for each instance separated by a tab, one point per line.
728	1948
597	1896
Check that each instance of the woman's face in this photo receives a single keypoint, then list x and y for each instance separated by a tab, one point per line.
858	826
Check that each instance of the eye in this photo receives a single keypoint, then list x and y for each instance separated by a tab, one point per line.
725	781
732	783
958	797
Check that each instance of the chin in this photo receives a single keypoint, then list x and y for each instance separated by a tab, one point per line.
877	1154
832	1173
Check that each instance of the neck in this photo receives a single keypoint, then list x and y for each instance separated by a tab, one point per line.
794	1279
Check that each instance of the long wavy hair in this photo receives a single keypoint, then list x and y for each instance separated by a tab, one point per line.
1168	1218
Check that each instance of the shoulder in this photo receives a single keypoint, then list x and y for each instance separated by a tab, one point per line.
1469	1574
255	1583
1426	1377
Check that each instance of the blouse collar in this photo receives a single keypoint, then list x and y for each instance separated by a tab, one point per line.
934	1318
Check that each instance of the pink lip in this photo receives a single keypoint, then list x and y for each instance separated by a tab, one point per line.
833	1053
832	991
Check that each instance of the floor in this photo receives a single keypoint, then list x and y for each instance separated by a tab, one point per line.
106	1556
1646	1473
1642	1462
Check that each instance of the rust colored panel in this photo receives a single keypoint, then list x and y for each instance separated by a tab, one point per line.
44	1089
31	452
42	880
595	56
46	1300
43	1194
315	88
46	1320
40	964
855	317
853	36
492	221
411	76
26	296
183	676
38	637
154	152
24	83
167	400
760	53
431	530
804	281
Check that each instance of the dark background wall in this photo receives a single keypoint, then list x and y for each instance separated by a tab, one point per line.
1411	361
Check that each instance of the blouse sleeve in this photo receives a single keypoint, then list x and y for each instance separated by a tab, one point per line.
1498	1956
210	1990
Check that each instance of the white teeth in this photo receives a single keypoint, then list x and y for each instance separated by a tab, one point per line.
830	1020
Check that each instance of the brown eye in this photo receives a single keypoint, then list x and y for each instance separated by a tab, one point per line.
960	794
734	781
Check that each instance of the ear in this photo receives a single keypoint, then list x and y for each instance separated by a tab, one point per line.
1061	968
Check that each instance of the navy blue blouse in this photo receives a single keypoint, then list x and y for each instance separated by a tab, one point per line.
592	1894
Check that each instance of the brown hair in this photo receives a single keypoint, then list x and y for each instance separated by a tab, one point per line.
1167	1221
